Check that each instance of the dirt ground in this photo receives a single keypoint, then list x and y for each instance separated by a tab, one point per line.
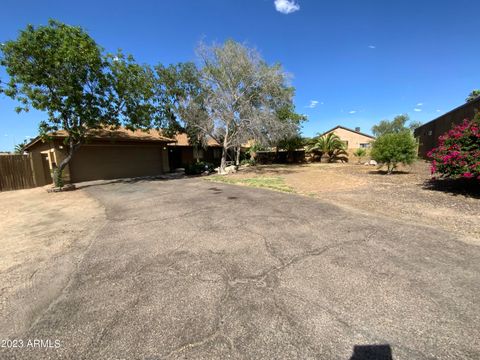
403	195
42	237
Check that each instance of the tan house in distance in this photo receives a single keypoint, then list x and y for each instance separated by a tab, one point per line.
353	139
109	154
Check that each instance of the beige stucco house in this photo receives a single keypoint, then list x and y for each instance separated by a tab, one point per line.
354	139
108	154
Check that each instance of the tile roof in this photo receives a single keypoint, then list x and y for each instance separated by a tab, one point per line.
181	139
117	134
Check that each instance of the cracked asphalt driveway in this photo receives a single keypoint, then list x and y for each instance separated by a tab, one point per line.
188	269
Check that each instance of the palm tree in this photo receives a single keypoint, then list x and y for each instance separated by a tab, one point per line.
330	145
359	154
19	148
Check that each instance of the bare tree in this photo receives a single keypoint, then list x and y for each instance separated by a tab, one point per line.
239	99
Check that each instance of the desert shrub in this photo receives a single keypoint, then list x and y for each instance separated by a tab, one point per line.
250	162
458	152
393	148
360	153
198	168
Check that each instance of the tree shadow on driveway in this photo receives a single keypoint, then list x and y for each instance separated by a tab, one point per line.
166	177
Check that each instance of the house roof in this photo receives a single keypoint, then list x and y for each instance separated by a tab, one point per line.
473	103
117	134
348	129
181	139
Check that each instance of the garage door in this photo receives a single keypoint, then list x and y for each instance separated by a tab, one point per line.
92	162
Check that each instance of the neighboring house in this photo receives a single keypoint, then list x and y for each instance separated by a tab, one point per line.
429	133
108	154
181	153
353	139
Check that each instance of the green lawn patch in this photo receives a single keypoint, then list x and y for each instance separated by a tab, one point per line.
273	183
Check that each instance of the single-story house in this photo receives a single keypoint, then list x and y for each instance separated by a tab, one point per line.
108	154
353	139
428	133
181	153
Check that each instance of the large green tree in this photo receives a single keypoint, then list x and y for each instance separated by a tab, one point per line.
394	126
176	85
60	70
292	139
398	124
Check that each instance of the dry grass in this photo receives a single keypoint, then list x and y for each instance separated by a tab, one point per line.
273	183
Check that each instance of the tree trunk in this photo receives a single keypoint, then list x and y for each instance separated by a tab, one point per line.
223	162
237	156
390	168
195	151
58	172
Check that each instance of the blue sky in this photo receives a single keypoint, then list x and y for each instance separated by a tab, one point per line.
352	62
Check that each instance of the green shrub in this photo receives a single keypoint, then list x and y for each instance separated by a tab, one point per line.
393	148
360	153
198	168
250	162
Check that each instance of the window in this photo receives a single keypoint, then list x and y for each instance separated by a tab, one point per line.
364	145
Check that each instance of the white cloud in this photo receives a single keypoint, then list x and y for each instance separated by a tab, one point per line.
417	109
313	104
372	47
419	104
286	6
352	111
438	110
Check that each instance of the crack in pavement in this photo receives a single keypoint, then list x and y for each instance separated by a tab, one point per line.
230	283
298	258
62	293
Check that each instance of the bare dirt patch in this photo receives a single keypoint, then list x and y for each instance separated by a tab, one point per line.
403	195
43	237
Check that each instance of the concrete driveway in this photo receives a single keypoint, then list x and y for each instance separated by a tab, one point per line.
189	269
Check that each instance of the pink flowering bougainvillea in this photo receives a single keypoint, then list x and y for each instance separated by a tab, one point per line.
458	152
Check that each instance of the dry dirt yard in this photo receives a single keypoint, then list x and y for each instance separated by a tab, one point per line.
402	195
43	238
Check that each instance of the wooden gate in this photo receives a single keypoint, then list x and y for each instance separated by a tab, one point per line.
16	172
